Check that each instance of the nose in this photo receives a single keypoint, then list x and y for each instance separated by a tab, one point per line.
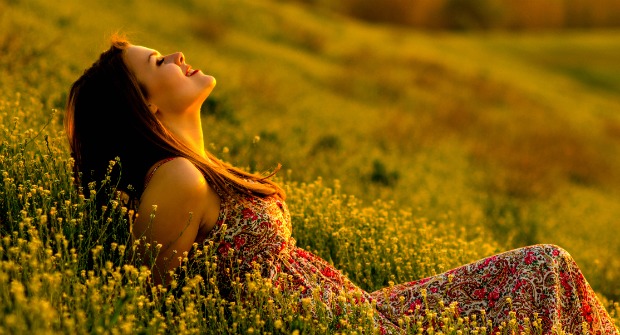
178	58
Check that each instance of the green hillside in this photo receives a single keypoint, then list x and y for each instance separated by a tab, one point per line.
459	144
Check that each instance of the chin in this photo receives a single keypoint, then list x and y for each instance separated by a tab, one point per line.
208	87
211	82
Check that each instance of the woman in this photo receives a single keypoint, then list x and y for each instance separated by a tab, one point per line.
152	102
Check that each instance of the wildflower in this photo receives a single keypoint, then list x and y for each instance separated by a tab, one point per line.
18	291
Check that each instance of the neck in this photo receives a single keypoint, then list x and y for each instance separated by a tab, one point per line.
187	129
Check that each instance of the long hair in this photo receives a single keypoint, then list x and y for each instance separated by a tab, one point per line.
107	118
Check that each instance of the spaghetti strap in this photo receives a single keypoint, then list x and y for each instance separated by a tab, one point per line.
154	168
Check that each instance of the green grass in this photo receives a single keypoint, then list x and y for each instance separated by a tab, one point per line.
459	145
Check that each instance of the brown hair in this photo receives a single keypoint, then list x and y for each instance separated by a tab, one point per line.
107	117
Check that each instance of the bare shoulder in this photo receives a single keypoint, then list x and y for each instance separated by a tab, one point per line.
178	187
176	208
177	174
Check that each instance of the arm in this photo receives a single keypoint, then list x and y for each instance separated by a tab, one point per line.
183	201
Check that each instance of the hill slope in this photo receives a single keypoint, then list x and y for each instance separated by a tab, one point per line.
517	134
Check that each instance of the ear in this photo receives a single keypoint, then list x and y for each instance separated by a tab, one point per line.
153	108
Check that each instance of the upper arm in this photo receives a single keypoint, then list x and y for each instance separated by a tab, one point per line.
171	212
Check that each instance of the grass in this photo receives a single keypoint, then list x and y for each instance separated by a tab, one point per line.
445	147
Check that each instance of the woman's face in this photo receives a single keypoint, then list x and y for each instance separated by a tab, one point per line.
172	86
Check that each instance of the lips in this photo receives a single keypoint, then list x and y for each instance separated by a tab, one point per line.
190	72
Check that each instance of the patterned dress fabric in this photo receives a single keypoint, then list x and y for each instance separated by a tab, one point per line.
541	279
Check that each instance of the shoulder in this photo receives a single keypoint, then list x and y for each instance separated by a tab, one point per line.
177	188
175	175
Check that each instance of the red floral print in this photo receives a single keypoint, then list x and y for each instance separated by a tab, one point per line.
223	248
480	293
530	258
239	241
248	214
329	272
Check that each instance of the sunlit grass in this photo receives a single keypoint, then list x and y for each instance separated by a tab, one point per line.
405	154
67	268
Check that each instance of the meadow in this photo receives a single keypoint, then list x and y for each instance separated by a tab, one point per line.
405	153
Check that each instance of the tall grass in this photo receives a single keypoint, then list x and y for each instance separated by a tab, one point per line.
405	154
68	267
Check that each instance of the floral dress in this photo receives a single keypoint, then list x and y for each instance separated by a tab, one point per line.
541	279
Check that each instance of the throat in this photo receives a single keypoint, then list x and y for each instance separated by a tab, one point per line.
189	132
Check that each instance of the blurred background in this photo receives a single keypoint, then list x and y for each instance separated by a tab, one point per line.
482	14
502	117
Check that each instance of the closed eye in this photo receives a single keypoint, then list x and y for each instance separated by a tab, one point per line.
159	61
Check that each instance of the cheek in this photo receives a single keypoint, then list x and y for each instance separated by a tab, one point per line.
164	87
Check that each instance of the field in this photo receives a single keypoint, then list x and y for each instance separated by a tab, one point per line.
404	152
